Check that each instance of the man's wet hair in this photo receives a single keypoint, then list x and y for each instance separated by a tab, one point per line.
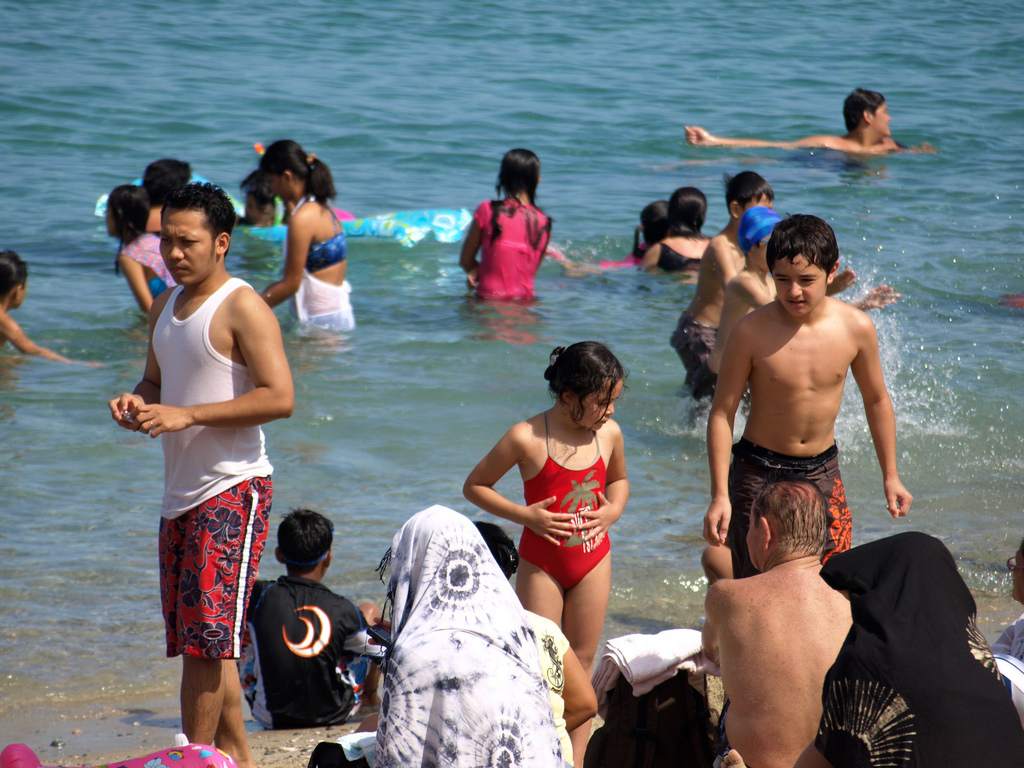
798	512
163	176
208	199
746	186
859	102
807	236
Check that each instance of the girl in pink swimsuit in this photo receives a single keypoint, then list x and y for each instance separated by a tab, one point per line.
574	480
511	235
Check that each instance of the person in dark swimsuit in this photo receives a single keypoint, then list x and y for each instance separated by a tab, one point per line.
682	249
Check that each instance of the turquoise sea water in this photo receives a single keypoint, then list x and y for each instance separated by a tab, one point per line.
412	106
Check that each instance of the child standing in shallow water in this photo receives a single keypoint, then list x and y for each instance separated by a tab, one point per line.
139	253
511	234
574	481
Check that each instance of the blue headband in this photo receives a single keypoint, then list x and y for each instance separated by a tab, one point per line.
319	560
757	223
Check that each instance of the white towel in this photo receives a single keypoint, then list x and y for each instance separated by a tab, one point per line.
647	660
361	744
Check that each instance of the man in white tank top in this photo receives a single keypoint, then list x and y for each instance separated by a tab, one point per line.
215	371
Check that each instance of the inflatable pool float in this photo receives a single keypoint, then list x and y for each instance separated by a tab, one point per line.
447	225
101	203
183	755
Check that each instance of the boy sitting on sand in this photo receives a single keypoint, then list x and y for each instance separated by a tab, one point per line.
867	131
794	354
13	287
305	658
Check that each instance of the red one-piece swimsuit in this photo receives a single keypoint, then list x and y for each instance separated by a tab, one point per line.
576	494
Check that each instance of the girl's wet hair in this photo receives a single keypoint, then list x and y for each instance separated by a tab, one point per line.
13	272
520	174
686	211
287	155
128	206
653	224
586	368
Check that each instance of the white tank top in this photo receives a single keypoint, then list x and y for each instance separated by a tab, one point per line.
201	462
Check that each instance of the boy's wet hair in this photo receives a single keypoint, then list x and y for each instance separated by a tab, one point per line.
257	184
586	368
799	513
287	155
304	537
859	102
687	209
746	186
653	224
807	236
13	272
208	199
163	176
503	549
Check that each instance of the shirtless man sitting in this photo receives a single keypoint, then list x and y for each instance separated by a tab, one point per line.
776	634
867	131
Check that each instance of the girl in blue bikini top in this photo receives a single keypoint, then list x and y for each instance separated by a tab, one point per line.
315	242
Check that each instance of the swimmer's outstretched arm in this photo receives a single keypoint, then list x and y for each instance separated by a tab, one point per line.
702	138
10	330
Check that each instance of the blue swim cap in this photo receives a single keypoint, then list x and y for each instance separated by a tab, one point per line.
757	223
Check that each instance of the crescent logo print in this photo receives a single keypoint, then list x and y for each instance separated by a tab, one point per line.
312	643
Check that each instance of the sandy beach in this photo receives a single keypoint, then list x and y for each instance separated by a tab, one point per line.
92	735
72	735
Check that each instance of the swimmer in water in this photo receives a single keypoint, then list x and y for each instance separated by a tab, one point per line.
13	286
867	126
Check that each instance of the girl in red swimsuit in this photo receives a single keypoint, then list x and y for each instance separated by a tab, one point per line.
574	480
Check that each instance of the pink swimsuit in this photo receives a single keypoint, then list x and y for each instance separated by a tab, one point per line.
509	261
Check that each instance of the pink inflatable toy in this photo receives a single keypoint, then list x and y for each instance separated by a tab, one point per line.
184	755
629	261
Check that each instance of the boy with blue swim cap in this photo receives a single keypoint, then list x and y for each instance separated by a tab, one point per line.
751	288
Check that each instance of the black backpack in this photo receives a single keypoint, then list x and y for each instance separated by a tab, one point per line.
330	754
672	726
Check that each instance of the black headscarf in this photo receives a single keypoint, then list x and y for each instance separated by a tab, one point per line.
914	683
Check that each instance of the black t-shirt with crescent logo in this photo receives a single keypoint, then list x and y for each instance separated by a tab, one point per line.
302	637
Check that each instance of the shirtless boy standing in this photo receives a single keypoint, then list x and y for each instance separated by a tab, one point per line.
753	287
694	337
867	131
794	354
215	370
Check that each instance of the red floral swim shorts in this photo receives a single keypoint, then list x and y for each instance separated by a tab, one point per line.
209	557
